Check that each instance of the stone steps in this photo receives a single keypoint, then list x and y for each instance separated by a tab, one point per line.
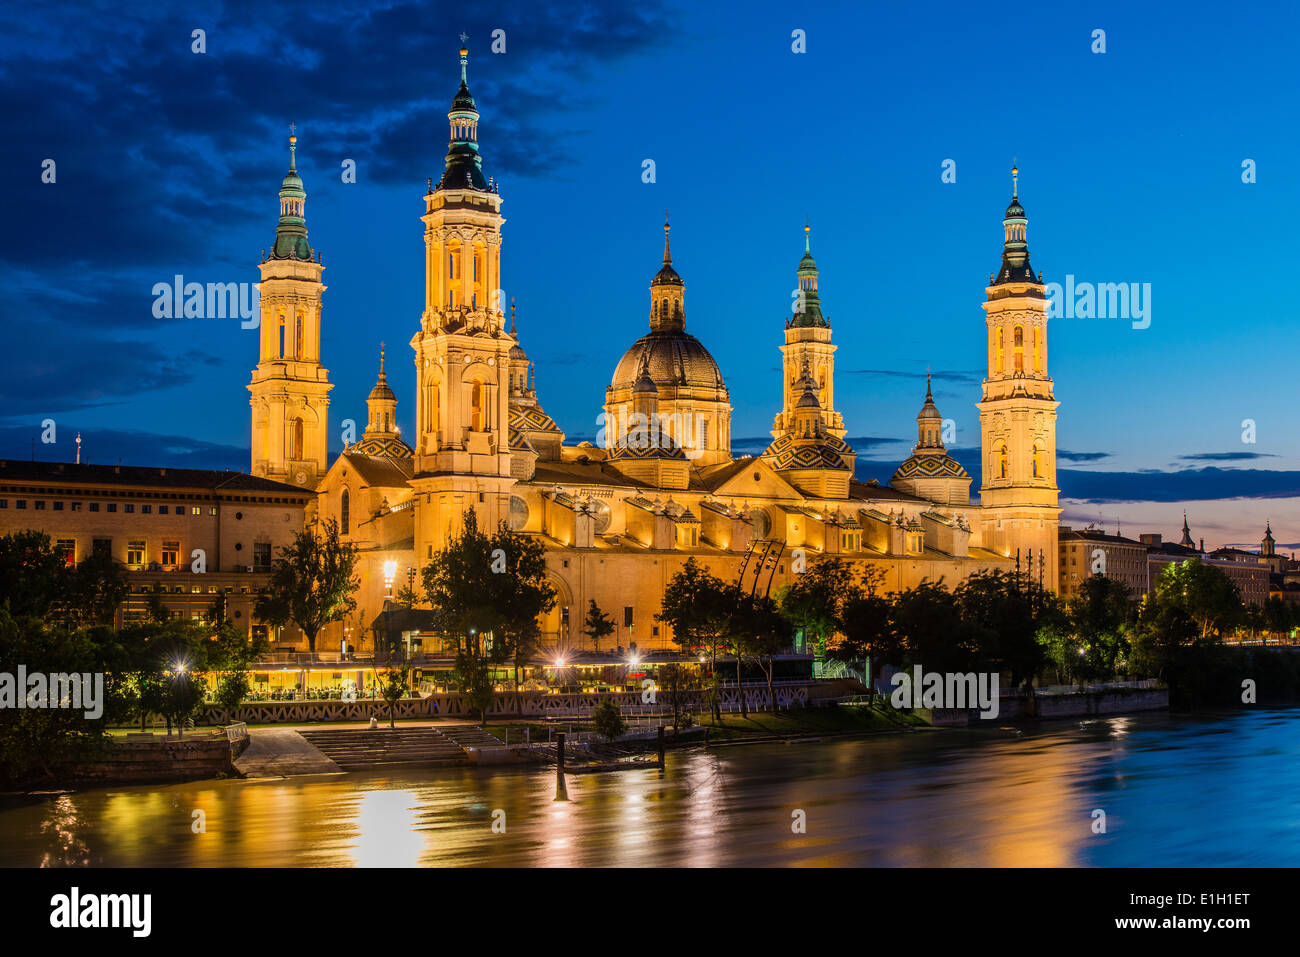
353	749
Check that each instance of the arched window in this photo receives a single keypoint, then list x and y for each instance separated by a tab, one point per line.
432	413
704	433
1003	462
1038	462
343	513
297	338
280	331
1018	343
297	440
476	406
1038	349
1001	349
821	377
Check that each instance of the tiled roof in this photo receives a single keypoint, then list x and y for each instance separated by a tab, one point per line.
205	479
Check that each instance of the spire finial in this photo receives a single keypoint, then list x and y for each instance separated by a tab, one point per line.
464	59
807	231
381	360
293	146
512	315
667	256
929	397
1015	172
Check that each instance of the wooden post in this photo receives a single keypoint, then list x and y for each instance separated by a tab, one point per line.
561	792
661	747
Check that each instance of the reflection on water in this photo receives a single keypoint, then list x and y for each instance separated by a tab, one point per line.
1176	791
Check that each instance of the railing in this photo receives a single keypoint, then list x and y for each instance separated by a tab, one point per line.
236	732
1132	685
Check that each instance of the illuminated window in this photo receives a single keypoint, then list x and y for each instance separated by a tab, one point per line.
1038	349
343	513
1018	343
476	406
1002	462
171	553
297	440
135	553
1038	462
1001	350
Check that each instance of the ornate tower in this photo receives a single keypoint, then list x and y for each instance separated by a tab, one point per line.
808	343
290	388
931	472
1018	490
382	436
462	351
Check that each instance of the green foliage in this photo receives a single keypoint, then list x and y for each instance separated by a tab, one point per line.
475	682
697	606
608	720
815	600
1003	614
36	582
475	601
598	625
928	622
311	582
394	681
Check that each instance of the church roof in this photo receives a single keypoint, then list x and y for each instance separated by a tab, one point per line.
380	470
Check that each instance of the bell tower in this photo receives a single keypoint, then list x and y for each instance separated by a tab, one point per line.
462	350
290	388
1018	491
808	347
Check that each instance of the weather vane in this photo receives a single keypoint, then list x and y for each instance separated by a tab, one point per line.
463	38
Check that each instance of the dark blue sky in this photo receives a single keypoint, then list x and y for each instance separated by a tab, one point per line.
168	162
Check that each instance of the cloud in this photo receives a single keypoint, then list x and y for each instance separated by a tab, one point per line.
957	378
1070	456
1178	486
1225	456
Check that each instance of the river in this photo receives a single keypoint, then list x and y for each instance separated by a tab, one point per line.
1175	791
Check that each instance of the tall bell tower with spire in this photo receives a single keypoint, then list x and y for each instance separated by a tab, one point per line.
1018	491
290	388
462	349
808	347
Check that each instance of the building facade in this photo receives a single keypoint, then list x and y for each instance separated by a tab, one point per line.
620	516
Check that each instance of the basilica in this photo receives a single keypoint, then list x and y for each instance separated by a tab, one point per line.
621	516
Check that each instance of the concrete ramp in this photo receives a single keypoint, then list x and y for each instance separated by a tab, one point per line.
274	753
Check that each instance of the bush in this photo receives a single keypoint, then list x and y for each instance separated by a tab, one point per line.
608	720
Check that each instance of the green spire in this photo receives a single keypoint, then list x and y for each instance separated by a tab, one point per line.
808	308
291	233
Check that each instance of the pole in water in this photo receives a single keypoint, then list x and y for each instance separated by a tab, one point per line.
661	747
561	792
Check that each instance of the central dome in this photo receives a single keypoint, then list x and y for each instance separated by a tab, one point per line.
675	360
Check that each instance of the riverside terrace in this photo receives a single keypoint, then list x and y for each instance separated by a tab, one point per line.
303	676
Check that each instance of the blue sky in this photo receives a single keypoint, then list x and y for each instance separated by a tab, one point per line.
1131	171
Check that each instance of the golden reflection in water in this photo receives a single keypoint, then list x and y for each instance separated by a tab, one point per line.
385	830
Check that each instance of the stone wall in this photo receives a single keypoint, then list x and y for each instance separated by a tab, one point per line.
160	760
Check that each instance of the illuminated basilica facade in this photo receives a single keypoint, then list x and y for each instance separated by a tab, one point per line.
620	516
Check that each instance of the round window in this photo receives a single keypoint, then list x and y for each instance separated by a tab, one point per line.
518	513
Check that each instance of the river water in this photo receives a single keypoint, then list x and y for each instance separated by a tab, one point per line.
1175	791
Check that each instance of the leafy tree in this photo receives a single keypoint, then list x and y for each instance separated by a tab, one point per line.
1099	615
491	587
815	600
394	681
311	582
698	607
678	682
928	621
1003	614
598	624
36	742
475	679
866	627
1279	616
182	695
608	720
758	630
32	574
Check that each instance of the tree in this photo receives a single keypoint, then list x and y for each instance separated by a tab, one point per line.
866	627
608	720
394	681
678	682
475	681
815	600
1003	613
491	589
1099	615
697	606
1279	616
928	622
32	575
598	624
759	631
311	582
